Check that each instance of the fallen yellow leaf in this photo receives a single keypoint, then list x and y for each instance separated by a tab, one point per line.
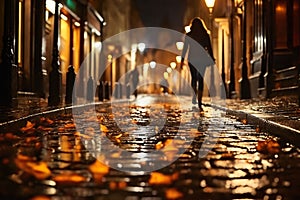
99	168
69	178
112	185
103	128
39	170
268	146
29	126
172	193
157	178
245	121
70	125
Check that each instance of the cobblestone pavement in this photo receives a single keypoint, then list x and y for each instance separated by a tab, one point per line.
281	110
22	107
109	152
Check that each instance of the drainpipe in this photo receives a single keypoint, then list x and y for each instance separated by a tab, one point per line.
8	67
244	82
231	90
55	74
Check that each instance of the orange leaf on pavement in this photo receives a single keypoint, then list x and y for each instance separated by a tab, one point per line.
70	125
29	126
98	168
69	178
39	170
157	178
268	146
172	193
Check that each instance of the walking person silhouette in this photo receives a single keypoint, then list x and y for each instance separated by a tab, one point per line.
199	34
135	80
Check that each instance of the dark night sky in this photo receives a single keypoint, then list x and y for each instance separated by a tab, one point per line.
162	13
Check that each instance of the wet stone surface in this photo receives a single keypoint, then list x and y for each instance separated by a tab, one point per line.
132	151
283	110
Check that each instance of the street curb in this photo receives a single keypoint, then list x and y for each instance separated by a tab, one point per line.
286	133
11	124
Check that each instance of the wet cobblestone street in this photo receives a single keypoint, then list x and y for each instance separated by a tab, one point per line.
149	149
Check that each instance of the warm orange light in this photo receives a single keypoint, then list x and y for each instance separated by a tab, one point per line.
179	45
210	4
238	2
173	65
64	17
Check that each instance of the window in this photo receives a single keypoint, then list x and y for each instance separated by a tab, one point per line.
281	20
296	23
258	24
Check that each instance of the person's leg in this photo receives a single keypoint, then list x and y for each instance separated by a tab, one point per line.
135	90
200	91
193	82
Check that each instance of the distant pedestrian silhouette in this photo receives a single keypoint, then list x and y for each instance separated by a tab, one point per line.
199	34
134	76
164	85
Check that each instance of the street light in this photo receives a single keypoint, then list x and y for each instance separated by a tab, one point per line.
212	90
210	4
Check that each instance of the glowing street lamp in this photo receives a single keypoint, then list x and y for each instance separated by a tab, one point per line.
210	4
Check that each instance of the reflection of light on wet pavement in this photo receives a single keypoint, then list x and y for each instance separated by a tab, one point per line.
72	162
144	101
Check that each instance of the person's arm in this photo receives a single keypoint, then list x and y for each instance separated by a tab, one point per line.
184	51
209	48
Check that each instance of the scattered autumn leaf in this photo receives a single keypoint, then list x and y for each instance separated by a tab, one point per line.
117	185
21	157
157	178
78	134
268	146
69	178
173	193
9	136
98	168
103	128
39	170
122	185
170	147
28	127
45	120
41	198
118	136
159	145
5	161
113	185
31	139
245	121
43	128
116	154
227	156
134	121
69	126
60	129
257	129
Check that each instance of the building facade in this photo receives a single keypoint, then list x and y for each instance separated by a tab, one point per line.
258	45
34	32
275	47
256	42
